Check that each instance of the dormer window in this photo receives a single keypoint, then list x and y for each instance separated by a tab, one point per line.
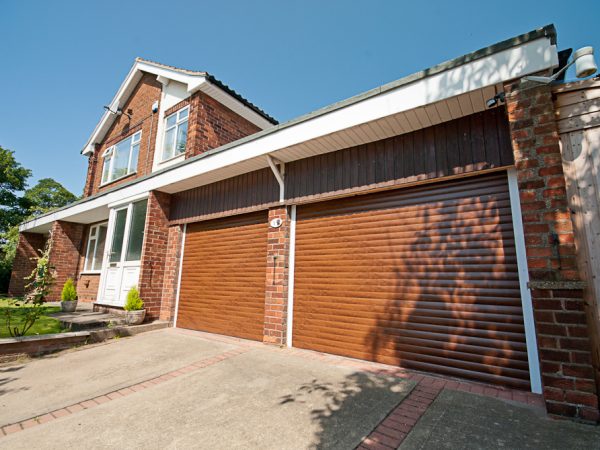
121	159
176	128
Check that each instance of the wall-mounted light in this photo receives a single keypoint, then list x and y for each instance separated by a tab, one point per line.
584	66
498	98
118	112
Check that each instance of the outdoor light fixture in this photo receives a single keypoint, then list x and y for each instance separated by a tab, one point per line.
118	112
500	97
584	66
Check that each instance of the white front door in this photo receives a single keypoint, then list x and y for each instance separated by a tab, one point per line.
121	267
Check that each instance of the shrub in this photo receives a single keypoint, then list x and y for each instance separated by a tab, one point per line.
69	293
41	280
133	302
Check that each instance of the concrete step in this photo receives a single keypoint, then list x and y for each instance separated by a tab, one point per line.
77	321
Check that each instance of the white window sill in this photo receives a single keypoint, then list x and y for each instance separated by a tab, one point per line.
173	158
90	272
168	162
117	179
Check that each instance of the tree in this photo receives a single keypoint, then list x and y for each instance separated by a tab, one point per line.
46	195
13	179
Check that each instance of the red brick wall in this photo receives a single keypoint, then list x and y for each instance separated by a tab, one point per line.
154	253
561	324
278	241
27	248
87	283
140	103
171	275
67	239
87	287
212	125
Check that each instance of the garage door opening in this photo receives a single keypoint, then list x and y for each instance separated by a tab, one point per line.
223	276
424	278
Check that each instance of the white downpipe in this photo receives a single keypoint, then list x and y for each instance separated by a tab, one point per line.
279	175
530	336
291	266
179	276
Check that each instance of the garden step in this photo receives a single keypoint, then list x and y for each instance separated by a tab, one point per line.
88	320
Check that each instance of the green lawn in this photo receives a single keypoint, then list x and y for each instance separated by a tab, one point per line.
44	325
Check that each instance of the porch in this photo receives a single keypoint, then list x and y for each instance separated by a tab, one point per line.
106	251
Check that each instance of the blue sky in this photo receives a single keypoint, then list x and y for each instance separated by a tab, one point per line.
61	61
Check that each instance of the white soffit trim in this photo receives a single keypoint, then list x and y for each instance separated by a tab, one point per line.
194	82
513	63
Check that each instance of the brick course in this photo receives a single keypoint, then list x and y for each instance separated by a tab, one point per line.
278	241
154	253
87	287
211	125
67	243
23	265
561	324
171	274
147	91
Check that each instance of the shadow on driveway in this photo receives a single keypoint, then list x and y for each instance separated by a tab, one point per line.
346	405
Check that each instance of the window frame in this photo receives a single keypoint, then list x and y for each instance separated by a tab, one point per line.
178	122
95	229
109	158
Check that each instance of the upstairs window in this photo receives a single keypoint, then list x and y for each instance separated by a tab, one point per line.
176	129
121	159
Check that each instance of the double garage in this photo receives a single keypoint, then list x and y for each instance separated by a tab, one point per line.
423	277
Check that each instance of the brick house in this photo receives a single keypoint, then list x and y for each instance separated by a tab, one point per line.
413	224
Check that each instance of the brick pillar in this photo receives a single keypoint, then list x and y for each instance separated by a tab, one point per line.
67	238
557	292
23	265
171	276
154	253
275	327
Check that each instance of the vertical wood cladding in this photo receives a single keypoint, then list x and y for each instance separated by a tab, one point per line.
467	145
477	142
230	195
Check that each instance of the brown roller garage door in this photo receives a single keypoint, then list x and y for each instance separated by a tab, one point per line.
425	278
223	276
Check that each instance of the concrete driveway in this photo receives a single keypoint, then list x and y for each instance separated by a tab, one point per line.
177	389
203	394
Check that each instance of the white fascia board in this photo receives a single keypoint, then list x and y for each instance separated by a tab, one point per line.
510	64
107	117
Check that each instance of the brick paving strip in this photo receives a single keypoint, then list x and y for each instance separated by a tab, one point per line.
392	430
119	393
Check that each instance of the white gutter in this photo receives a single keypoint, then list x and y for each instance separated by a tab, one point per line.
513	63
